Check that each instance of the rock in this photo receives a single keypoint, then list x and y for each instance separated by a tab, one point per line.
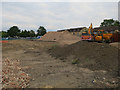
94	81
41	75
67	75
33	79
48	86
104	78
102	46
113	82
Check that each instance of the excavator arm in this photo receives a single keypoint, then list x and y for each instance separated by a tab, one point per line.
90	30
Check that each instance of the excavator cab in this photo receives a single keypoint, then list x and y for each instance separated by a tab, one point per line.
99	36
87	36
100	32
85	33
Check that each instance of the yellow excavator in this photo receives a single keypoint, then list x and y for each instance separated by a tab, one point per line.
103	36
100	35
88	36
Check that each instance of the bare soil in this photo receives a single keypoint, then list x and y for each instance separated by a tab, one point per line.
115	44
50	65
92	55
64	37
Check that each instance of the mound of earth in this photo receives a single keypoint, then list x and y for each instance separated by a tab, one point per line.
61	37
92	55
115	44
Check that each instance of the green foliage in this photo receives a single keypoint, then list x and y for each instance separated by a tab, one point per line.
4	34
41	31
110	22
87	59
75	61
13	31
54	46
24	33
31	33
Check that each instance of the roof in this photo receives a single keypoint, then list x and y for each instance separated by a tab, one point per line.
72	29
108	28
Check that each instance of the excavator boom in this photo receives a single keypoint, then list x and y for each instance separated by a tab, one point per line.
87	35
90	29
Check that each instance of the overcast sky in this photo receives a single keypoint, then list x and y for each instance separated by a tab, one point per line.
56	15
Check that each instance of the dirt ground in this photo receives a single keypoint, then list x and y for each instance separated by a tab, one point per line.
115	44
48	67
92	55
60	37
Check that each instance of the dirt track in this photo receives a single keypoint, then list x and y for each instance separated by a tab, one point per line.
49	71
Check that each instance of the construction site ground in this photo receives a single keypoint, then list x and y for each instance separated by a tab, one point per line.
78	65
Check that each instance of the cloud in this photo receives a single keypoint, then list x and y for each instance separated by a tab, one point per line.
60	0
56	15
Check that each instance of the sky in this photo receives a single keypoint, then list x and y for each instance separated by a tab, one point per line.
56	15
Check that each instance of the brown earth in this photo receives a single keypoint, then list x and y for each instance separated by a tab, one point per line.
62	37
38	59
115	44
92	55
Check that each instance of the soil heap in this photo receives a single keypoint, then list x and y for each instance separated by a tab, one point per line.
92	55
61	37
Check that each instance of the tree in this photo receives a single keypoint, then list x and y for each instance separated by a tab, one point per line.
24	33
31	33
110	22
41	31
13	31
4	34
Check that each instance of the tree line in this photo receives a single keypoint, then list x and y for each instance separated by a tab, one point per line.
14	31
109	22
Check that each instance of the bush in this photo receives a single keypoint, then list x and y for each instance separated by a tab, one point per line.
75	61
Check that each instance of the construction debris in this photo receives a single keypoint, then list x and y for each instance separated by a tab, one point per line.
12	75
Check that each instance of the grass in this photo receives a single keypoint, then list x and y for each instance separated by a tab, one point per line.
54	46
75	61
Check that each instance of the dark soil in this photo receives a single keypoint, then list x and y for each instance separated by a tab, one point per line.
91	55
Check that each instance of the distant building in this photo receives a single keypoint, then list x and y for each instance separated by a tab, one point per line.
108	28
74	31
78	31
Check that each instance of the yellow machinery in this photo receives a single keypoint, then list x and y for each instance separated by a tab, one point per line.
87	35
100	35
103	36
107	37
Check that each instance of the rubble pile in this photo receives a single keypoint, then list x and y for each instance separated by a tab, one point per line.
12	75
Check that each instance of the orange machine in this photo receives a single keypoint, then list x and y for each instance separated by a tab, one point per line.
100	36
103	36
107	37
88	35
